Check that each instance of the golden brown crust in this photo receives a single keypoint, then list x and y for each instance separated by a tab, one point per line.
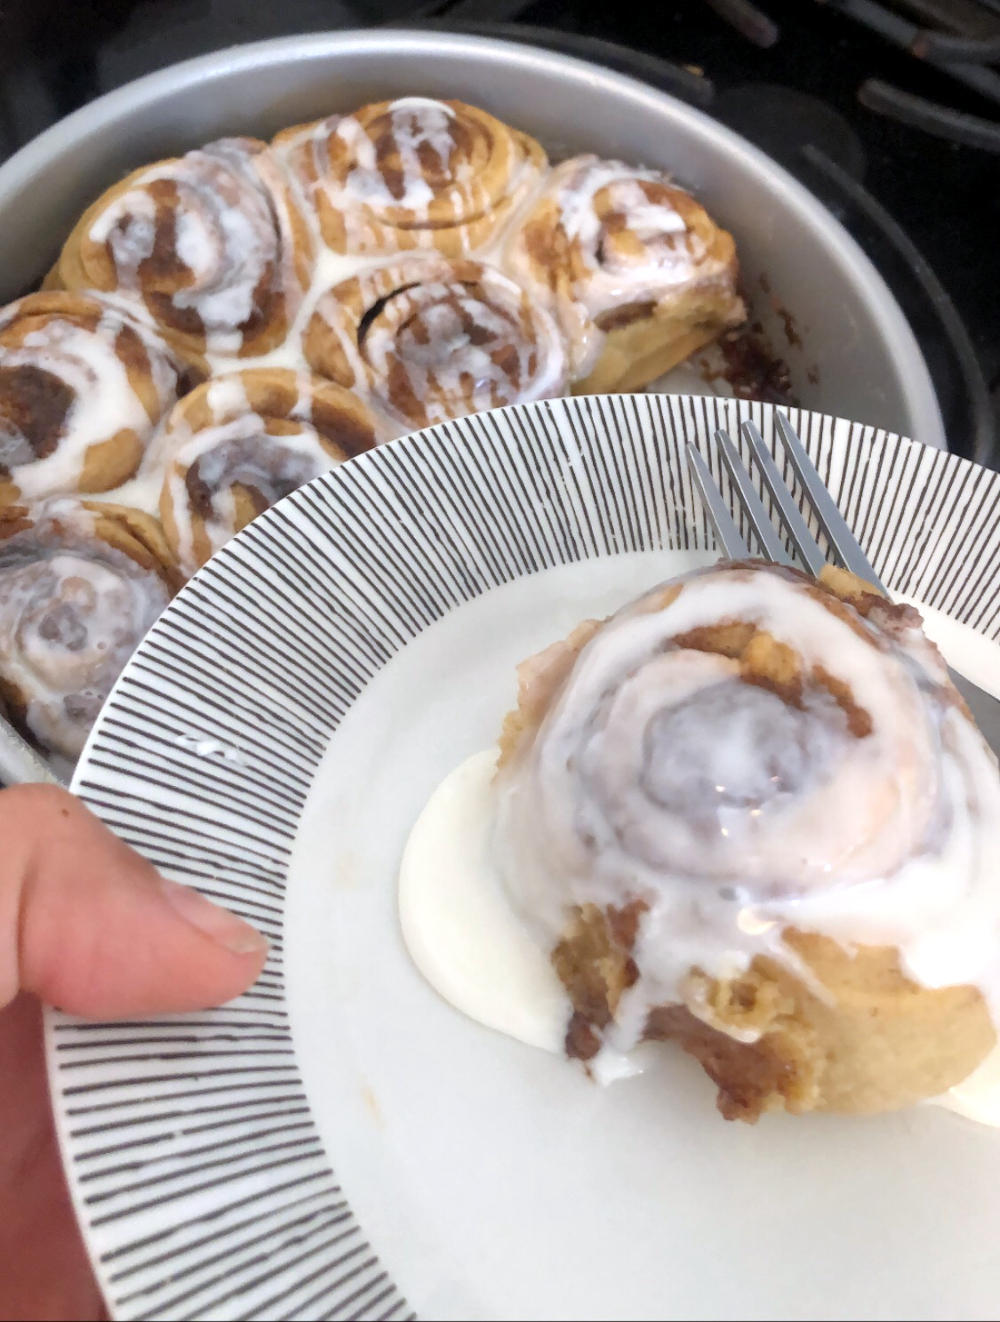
752	1078
854	1034
40	368
238	174
381	333
468	191
138	535
280	396
684	279
594	958
259	407
132	532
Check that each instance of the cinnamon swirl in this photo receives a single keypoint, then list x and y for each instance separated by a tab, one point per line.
80	583
210	242
82	386
635	269
238	443
411	173
429	340
750	813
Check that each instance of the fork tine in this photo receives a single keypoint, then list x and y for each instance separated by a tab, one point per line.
715	507
770	543
798	529
830	518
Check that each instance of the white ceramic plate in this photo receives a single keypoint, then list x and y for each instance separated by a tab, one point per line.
340	1142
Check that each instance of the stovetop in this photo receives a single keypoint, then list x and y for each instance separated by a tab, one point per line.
905	150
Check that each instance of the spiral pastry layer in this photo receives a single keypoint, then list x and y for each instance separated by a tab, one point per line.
429	340
80	583
703	802
210	242
411	173
82	386
637	272
239	443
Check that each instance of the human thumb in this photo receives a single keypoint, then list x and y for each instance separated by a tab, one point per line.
90	926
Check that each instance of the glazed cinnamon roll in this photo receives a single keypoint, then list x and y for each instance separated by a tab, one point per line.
238	443
430	340
80	583
412	173
750	813
210	242
82	386
635	269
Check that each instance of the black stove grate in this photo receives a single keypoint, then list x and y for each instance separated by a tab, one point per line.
965	42
816	140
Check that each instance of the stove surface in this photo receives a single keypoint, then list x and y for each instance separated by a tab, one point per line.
809	82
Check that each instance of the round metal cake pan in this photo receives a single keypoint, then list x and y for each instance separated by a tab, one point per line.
850	352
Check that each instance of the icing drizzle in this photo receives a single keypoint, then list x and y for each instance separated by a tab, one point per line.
73	607
660	775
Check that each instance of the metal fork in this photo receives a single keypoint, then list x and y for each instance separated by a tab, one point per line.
984	707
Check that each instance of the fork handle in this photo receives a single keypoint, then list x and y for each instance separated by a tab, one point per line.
984	707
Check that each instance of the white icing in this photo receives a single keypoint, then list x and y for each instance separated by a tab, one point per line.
304	403
102	404
363	194
129	230
231	232
141	492
662	258
70	617
233	221
237	451
220	304
664	253
637	787
483	955
203	746
421	336
422	135
458	924
227	395
330	269
463	934
418	124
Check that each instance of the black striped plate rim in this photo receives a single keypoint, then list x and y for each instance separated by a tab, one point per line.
196	1167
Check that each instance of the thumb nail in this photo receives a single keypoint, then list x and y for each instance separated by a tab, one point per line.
224	928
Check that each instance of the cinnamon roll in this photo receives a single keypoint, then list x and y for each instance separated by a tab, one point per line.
238	443
411	173
210	242
80	583
750	813
82	386
430	339
635	269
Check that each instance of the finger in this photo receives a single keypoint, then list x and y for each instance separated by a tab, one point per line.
90	926
46	1272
